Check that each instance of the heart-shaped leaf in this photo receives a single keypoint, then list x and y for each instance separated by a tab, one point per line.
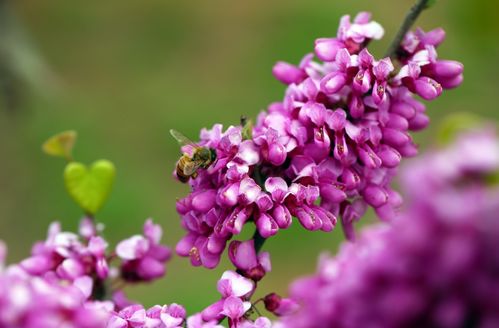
89	187
60	145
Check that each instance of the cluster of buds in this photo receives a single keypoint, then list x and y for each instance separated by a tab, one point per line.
68	276
68	256
436	265
327	151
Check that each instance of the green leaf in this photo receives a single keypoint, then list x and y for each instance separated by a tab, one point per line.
492	179
247	131
60	145
455	124
89	187
430	4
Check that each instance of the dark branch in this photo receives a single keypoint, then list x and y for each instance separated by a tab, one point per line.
409	20
259	241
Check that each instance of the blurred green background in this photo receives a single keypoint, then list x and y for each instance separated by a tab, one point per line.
122	73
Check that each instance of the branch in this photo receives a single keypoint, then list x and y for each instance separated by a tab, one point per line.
409	20
259	240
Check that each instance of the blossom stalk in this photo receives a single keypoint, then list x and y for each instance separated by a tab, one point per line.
409	20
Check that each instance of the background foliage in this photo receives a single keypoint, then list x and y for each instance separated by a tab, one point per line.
122	73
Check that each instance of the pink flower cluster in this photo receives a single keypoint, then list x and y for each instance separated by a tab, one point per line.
167	316
34	302
65	256
64	280
435	266
327	151
34	294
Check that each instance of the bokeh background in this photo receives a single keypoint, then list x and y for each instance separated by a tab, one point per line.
122	73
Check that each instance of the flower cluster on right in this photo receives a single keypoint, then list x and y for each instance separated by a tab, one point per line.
435	266
325	152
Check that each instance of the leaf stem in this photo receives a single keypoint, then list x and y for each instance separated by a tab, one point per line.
409	20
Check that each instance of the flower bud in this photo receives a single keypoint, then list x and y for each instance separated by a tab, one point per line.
397	122
389	156
369	157
427	88
332	192
287	73
228	195
444	69
326	49
204	201
375	195
419	122
281	216
308	218
350	178
266	225
243	254
403	109
450	83
394	137
356	106
264	202
333	82
278	305
362	81
277	154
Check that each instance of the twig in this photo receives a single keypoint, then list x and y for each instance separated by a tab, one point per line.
409	20
259	241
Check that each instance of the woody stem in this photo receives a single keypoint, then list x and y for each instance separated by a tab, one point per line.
409	20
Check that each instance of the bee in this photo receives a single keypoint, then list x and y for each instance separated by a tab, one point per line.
187	165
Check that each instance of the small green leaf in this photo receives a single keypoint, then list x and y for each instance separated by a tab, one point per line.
492	179
430	3
60	145
247	131
457	123
89	187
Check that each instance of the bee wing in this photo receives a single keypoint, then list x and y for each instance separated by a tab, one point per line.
191	167
182	140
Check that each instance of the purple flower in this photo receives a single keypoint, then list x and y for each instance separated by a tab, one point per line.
235	290
288	73
143	256
350	36
434	266
244	257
